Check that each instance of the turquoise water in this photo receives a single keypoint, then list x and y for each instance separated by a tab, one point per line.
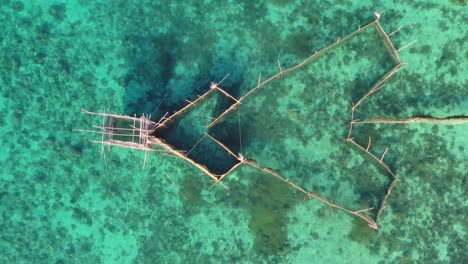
59	203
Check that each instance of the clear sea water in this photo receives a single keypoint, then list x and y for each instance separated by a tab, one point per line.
59	203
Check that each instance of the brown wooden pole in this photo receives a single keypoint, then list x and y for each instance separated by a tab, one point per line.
454	120
359	213
223	146
184	157
378	84
388	43
220	117
383	164
226	94
384	202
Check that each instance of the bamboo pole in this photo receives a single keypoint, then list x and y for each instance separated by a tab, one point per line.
103	132
226	94
383	155
213	88
121	144
239	157
112	115
378	84
240	133
351	123
100	132
221	117
110	134
216	84
379	160
139	131
383	205
368	144
145	138
451	120
184	157
407	45
133	128
388	43
223	146
394	178
281	69
398	29
196	144
359	213
112	128
102	145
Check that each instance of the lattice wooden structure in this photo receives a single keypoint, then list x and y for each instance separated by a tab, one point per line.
137	132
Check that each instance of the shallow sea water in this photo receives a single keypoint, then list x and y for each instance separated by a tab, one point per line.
60	203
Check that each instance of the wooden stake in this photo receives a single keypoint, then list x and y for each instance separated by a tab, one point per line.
103	131
384	202
174	116
359	213
177	187
364	210
222	80
398	29
281	70
351	123
378	84
196	144
102	145
407	45
220	117
110	133
388	43
133	128
228	95
139	130
240	134
118	117
451	120
223	146
383	164
383	155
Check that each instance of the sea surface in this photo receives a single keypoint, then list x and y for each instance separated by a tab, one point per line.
64	201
